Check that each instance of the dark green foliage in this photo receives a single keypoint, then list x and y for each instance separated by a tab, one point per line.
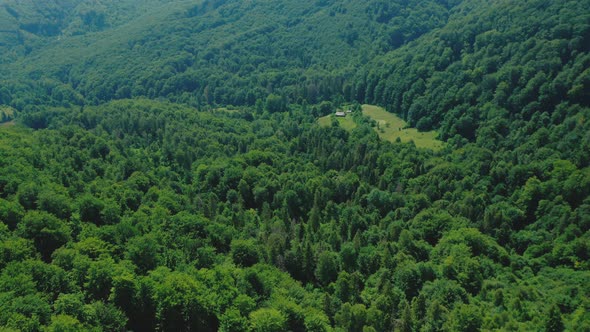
11	213
90	209
275	103
143	251
47	232
327	267
244	252
553	322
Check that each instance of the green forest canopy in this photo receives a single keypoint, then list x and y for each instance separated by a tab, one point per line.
131	199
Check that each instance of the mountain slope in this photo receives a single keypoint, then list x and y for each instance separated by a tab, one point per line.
487	53
231	52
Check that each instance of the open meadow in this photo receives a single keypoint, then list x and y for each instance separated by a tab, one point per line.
389	126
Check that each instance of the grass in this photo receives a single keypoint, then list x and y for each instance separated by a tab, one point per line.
346	122
390	127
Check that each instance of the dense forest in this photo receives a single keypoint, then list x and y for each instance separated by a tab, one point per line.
162	167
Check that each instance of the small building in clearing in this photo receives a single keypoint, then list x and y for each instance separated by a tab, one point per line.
340	114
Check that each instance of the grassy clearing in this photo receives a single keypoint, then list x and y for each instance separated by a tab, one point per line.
390	127
346	122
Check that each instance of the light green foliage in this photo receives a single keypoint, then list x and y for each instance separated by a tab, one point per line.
232	320
268	320
317	322
464	318
7	114
64	323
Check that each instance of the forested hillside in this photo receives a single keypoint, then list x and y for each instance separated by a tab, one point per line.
162	167
219	52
